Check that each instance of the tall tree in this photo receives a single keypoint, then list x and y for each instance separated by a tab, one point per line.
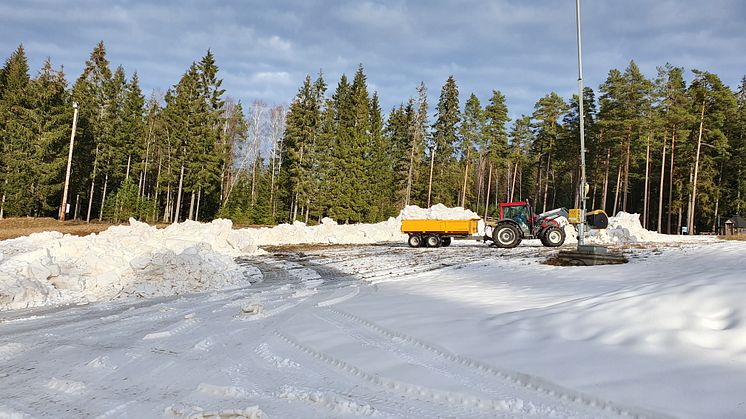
16	121
445	182
547	112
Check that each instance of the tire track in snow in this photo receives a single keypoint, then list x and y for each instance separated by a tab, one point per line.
462	404
541	387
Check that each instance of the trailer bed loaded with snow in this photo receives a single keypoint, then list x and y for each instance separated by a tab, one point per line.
436	233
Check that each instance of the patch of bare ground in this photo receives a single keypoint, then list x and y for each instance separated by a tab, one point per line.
307	247
11	228
739	237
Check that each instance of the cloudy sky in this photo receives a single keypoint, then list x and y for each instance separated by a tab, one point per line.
265	48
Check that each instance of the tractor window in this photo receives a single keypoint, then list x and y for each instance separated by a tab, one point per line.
517	213
520	215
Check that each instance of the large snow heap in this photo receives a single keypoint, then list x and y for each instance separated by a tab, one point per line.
140	260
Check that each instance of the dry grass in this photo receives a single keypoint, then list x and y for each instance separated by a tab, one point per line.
739	237
11	228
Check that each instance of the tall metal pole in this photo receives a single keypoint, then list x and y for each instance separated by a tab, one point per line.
581	225
63	207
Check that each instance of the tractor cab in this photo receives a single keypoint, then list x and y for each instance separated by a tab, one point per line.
521	213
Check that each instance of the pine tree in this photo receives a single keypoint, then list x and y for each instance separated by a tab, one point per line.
496	113
521	138
547	112
92	93
472	132
379	167
715	101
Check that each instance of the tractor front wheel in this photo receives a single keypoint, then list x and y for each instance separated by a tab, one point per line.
553	237
506	236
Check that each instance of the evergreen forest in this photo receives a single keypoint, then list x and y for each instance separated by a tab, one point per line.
669	146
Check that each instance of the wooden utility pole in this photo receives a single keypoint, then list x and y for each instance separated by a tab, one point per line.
63	207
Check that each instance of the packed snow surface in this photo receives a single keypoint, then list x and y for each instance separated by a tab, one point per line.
395	332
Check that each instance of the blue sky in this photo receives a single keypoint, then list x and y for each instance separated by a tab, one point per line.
264	49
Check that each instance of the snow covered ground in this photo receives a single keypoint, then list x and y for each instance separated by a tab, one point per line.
377	330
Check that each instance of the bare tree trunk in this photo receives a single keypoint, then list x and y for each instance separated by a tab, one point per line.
199	200
537	192
175	219
466	177
626	170
253	183
660	191
717	202
515	175
497	190
2	203
430	182
647	184
520	184
487	197
103	198
295	207
167	207
410	174
696	169
480	182
618	183
93	183
689	202
670	179
546	184
604	195
191	206
129	161
679	228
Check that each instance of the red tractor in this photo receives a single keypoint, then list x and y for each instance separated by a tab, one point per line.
517	222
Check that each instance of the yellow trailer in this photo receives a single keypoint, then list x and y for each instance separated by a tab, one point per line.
436	233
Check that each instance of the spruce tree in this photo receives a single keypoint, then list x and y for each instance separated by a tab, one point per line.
472	133
496	114
52	119
547	112
445	182
17	136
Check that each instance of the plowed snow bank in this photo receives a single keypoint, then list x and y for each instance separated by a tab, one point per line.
142	261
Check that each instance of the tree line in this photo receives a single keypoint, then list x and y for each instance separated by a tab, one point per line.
670	150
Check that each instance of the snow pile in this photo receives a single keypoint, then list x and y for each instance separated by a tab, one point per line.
625	228
328	232
436	212
140	260
135	260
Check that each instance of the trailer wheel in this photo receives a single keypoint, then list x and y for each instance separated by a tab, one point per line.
415	240
506	236
432	241
553	237
446	242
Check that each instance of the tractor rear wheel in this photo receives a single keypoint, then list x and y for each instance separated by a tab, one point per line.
415	240
506	236
432	241
553	237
